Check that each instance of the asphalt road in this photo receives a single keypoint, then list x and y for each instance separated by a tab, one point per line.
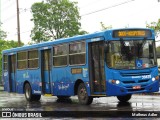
109	105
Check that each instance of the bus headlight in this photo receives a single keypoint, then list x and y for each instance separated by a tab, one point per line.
153	79
115	81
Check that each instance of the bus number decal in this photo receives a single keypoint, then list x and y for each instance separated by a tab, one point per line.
146	76
95	39
37	92
44	48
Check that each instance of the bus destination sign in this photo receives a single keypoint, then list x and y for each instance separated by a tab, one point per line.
131	33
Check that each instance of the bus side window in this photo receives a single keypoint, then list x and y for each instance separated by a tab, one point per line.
77	53
33	59
22	60
60	53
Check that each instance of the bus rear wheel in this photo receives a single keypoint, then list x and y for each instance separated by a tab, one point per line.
83	96
124	98
28	93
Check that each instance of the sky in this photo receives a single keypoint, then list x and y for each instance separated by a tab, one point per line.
117	13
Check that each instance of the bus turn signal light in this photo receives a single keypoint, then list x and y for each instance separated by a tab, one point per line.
157	77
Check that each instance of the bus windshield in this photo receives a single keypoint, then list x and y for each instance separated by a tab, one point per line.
130	54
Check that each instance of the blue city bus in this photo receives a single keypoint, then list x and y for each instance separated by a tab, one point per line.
117	62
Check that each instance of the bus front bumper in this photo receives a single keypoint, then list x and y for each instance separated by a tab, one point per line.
116	90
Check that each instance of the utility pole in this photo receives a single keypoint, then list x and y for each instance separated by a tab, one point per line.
18	24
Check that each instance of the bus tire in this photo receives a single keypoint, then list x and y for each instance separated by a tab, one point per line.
28	93
83	96
124	98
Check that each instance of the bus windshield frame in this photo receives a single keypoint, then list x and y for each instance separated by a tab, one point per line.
130	54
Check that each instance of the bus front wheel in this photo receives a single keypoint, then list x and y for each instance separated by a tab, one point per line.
83	96
124	98
28	93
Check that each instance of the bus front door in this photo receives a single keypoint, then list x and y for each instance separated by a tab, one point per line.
46	71
96	68
12	71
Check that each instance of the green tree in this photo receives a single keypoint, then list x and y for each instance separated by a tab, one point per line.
3	34
55	19
6	45
104	27
155	26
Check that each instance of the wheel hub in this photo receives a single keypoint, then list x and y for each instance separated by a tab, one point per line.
83	93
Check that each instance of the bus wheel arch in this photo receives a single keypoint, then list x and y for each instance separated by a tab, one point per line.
77	83
28	92
81	90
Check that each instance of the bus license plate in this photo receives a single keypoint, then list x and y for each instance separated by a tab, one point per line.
136	87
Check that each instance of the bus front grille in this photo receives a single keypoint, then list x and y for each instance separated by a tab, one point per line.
134	74
128	82
134	81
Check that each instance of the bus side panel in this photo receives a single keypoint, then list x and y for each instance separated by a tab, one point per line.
35	81
64	81
32	76
6	81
